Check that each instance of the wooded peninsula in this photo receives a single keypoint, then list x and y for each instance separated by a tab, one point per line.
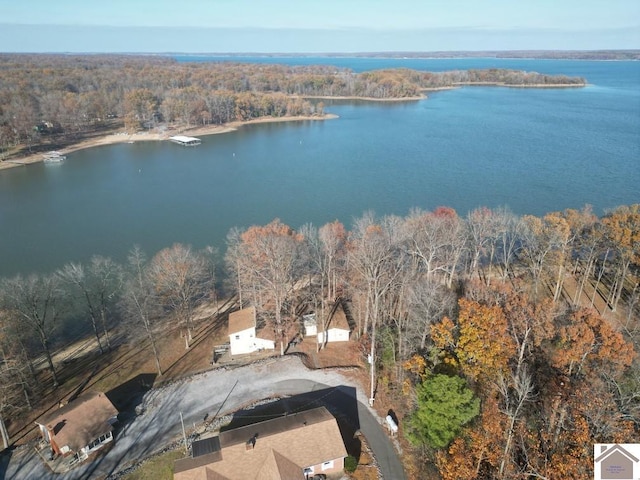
55	101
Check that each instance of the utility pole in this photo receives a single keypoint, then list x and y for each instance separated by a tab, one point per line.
184	435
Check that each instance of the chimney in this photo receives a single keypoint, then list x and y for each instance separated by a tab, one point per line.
251	443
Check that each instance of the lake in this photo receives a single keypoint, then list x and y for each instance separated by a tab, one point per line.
533	150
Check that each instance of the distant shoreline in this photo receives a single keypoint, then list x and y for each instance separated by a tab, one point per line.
526	85
366	99
612	55
121	137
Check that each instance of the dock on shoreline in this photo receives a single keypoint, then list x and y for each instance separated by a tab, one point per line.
185	141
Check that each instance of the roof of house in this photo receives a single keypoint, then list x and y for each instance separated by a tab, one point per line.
80	421
309	320
205	446
242	320
339	318
274	449
277	467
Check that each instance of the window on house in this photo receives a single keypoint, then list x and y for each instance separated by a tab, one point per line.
308	471
327	465
237	337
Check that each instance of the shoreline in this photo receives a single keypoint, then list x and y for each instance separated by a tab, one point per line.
366	99
122	137
528	85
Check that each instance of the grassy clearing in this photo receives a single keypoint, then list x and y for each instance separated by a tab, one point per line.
158	468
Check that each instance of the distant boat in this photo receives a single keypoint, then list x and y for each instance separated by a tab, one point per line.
53	157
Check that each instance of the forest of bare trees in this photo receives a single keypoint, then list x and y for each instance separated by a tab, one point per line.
525	328
57	100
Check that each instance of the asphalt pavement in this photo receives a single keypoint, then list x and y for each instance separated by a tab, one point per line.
219	392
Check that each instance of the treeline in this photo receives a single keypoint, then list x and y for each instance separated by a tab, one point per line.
58	99
498	311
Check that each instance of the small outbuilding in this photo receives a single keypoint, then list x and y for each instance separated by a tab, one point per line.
80	427
243	337
337	328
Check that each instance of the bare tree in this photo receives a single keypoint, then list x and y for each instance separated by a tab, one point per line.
317	268
481	231
180	278
437	241
138	302
324	252
508	239
271	256
429	302
516	392
37	302
332	238
233	262
590	246
542	239
98	285
376	262
16	383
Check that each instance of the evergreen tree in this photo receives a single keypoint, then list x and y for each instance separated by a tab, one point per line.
445	405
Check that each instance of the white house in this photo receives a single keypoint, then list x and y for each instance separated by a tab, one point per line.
243	337
337	328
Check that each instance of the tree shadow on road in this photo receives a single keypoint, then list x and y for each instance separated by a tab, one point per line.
127	396
5	456
341	401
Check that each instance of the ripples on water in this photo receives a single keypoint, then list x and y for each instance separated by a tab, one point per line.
533	150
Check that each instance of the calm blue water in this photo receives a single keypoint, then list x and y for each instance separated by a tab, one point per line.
533	150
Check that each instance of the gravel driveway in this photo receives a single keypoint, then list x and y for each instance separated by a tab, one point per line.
202	395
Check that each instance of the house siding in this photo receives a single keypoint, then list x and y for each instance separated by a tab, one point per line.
338	467
247	342
334	335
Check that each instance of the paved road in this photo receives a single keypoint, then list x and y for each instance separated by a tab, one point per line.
206	394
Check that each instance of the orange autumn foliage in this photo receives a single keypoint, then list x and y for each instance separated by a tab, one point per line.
481	341
588	344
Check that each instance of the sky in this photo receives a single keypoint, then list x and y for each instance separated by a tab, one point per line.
316	26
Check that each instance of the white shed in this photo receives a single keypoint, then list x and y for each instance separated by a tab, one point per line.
243	337
310	325
337	328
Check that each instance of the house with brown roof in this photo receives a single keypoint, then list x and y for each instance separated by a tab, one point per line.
293	447
243	337
80	427
337	328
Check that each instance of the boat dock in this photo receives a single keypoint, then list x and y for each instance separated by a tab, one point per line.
53	157
185	141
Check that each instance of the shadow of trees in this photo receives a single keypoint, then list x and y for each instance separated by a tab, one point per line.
341	401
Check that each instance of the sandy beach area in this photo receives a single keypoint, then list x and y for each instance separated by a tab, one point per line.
156	135
367	99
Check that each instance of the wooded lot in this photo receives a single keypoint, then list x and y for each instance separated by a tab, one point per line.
524	329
